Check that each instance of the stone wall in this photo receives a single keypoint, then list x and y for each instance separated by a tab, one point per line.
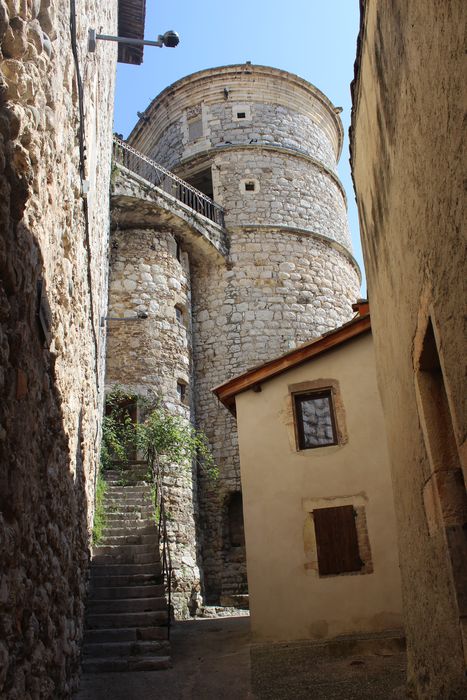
53	287
408	164
288	273
265	124
152	356
278	290
289	190
279	108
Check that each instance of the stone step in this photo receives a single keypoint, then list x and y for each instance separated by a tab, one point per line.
119	519
153	618
117	592
131	538
141	527
106	569
128	492
128	507
121	556
136	489
115	582
135	481
136	548
125	634
130	648
122	664
127	471
126	605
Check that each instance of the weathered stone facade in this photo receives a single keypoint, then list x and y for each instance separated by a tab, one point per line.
53	272
408	160
267	143
148	278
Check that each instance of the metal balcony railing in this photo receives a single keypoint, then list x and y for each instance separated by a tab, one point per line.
158	176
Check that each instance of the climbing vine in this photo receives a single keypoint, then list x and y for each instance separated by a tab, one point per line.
160	436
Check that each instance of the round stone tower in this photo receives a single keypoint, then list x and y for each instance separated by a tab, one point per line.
264	144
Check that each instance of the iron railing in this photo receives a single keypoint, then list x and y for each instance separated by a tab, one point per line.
164	549
158	176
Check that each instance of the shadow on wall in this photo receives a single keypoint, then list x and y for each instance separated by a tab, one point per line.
43	508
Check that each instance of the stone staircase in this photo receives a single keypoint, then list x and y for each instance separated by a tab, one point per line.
126	614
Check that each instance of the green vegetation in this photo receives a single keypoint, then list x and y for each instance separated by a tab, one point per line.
161	437
99	513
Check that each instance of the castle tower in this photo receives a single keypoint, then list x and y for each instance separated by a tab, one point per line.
264	144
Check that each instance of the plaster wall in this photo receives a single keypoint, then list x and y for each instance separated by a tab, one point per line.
407	158
281	486
53	291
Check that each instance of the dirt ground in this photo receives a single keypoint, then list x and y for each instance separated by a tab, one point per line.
215	659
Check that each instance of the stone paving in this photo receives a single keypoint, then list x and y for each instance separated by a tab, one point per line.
215	659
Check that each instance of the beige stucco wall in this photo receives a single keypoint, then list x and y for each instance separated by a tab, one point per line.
408	165
288	599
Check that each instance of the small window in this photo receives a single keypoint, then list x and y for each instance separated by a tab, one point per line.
195	129
179	314
249	186
181	391
337	540
178	251
315	419
241	115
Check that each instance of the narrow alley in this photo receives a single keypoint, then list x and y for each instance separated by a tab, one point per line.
214	658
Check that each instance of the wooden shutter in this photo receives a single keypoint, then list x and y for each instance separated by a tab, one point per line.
336	539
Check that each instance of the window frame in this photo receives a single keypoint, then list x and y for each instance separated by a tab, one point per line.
297	400
338	561
182	392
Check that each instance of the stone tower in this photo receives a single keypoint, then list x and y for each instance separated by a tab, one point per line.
227	294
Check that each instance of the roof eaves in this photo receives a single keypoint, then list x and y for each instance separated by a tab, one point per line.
227	392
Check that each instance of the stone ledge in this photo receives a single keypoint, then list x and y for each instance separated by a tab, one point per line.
295	230
138	204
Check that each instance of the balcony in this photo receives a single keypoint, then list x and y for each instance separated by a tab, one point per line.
164	180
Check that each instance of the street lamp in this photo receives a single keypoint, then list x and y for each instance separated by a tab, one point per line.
169	39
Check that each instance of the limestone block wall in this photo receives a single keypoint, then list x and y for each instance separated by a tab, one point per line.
288	191
53	288
264	124
150	275
271	142
278	291
278	107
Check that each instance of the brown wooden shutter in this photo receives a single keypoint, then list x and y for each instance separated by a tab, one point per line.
336	539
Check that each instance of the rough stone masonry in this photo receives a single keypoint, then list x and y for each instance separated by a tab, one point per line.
53	287
265	144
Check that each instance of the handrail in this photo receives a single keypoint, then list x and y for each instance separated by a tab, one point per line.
159	505
162	178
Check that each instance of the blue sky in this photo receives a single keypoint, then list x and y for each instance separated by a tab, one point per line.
315	39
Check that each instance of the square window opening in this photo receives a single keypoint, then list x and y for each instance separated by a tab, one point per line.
182	391
337	541
249	186
241	115
195	129
179	314
315	420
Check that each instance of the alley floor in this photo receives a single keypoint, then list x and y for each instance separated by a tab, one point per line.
215	659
